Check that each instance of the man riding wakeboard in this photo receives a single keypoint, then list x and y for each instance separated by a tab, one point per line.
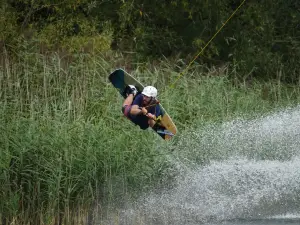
141	108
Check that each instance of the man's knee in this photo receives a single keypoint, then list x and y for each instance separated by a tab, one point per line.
123	108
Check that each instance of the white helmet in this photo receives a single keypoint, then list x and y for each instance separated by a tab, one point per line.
150	91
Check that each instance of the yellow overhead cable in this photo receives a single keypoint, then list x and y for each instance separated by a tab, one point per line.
182	73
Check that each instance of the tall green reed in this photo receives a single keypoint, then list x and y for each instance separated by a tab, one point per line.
65	145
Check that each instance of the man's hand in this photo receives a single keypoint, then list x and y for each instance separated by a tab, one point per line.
151	116
144	111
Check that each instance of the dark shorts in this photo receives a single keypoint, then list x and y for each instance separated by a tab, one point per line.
141	121
126	110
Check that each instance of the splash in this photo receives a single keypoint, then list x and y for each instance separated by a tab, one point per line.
237	170
232	189
274	137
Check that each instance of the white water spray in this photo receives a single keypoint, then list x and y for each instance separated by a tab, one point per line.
239	170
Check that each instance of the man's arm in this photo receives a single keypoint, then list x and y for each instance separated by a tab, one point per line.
136	110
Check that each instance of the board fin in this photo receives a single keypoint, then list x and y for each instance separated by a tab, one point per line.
166	132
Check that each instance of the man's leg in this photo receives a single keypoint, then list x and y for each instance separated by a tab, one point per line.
130	91
128	100
126	107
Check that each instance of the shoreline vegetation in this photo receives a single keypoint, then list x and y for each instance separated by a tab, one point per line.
65	146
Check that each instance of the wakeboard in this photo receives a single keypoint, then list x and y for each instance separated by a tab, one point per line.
164	127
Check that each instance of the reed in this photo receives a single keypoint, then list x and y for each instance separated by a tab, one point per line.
65	147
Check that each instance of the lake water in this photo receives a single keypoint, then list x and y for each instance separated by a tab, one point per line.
237	173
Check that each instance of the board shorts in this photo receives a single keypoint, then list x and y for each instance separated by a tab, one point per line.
126	110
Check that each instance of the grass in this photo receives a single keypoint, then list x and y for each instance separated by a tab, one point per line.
65	145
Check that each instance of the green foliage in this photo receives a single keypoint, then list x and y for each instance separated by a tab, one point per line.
8	26
58	25
261	40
